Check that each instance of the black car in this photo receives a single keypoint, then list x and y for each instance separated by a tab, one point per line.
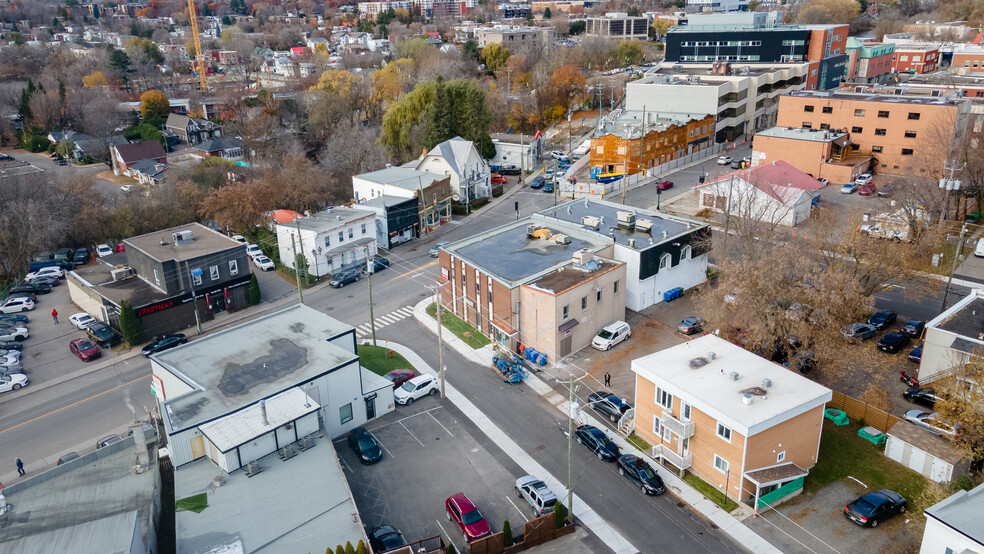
913	328
11	345
609	404
82	256
893	342
385	538
537	182
379	264
365	446
14	319
33	288
803	361
65	254
163	342
344	277
882	319
916	354
636	469
49	280
548	187
103	334
925	396
598	442
871	509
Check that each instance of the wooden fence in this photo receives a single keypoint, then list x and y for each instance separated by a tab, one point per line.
857	410
536	532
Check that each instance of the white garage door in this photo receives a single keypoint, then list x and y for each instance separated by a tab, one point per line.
917	460
940	472
894	449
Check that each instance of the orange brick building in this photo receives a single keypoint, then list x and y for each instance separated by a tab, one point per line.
821	154
619	145
969	60
916	58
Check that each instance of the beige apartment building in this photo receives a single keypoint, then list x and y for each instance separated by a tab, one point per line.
511	35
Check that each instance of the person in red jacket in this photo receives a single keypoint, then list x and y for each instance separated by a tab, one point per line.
54	316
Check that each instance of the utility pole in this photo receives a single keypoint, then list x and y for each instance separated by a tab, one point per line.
570	440
949	184
297	271
953	267
372	319
191	281
508	81
440	339
642	142
522	163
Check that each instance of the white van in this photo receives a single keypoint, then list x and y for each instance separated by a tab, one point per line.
611	335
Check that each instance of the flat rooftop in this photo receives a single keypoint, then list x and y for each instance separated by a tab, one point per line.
330	218
300	504
574	211
712	389
629	123
869	97
402	177
703	70
568	277
965	318
257	359
134	289
206	241
962	513
800	133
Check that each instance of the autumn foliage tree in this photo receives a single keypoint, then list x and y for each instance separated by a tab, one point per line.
154	106
94	80
495	56
828	11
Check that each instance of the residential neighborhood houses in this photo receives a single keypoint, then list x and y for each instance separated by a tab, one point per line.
337	274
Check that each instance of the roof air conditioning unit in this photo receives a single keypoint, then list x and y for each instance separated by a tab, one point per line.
530	229
253	468
643	224
120	273
712	355
561	238
766	383
182	237
591	221
305	443
582	256
735	375
287	452
626	218
746	399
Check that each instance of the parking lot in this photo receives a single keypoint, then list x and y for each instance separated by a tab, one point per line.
404	489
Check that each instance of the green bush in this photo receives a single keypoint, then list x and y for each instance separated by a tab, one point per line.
254	291
559	514
129	324
349	549
479	202
507	538
34	139
361	548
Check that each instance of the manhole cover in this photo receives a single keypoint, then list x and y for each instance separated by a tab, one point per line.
330	308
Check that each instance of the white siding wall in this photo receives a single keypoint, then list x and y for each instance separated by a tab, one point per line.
308	424
88	304
940	539
642	294
286	436
346	342
173	386
365	190
938	357
256	449
180	445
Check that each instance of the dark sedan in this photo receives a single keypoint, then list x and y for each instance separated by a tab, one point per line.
893	342
365	446
873	508
379	264
925	396
916	354
11	345
103	334
691	325
385	538
537	182
33	288
636	469
343	278
882	319
609	404
14	319
49	280
598	442
400	376
164	342
913	328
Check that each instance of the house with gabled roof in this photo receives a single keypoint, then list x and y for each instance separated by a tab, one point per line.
458	158
124	156
775	193
192	130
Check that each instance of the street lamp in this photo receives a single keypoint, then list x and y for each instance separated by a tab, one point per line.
315	252
659	192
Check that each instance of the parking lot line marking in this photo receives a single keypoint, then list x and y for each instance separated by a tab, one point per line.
448	534
414	270
427	411
344	463
384	447
521	514
411	434
441	424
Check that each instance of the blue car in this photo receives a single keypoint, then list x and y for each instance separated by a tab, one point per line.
916	354
13	318
537	182
882	319
549	187
598	442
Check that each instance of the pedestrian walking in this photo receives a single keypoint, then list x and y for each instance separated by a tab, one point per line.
20	467
54	315
608	379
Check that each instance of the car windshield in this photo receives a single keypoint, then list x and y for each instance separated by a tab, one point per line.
102	332
85	345
365	443
605	334
409	386
607	442
471	517
646	472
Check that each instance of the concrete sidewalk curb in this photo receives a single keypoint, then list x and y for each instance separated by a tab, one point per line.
582	511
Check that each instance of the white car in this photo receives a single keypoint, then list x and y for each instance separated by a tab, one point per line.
253	251
979	251
725	160
51	271
418	387
823	181
264	263
17	304
103	250
239	238
12	382
81	320
14	333
126	188
11	357
611	335
863	179
557	155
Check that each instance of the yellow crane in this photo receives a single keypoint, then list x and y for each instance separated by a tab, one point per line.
199	57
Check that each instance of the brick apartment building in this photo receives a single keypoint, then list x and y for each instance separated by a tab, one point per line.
868	62
636	141
916	58
827	154
968	60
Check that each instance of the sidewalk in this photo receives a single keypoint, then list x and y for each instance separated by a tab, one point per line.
483	356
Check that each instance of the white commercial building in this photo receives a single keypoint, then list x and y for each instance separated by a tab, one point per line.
954	339
953	526
515	151
717	5
331	240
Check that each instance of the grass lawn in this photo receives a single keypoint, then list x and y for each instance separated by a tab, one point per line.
376	359
456	325
636	441
711	492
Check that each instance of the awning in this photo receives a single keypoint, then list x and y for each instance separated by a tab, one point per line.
568	325
349	246
778	474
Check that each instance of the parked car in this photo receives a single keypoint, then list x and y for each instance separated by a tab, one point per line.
913	328
103	334
84	349
253	251
67	458
549	173
264	263
164	342
385	538
33	297
915	355
858	331
31	288
11	345
498	179
43	280
82	256
691	325
13	381
893	342
379	264
463	513
637	470
875	507
725	160
435	252
13	319
400	376
81	320
979	250
103	250
106	441
537	493
239	238
8	333
50	271
882	319
344	277
65	254
558	155
931	422
866	190
823	181
548	187
416	388
537	182
597	442
365	446
849	188
885	191
863	179
663	184
609	404
611	334
921	395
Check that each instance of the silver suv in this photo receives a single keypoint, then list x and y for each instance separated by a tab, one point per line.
536	492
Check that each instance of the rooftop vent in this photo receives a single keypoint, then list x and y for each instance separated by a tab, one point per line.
734	375
530	229
699	362
665	234
712	355
746	399
766	383
183	237
626	218
643	224
561	238
121	272
591	221
631	243
582	256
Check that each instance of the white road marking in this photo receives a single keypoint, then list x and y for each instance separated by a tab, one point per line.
450	540
441	424
384	447
344	463
521	514
374	429
411	434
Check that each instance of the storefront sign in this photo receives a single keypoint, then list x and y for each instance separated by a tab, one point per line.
155	307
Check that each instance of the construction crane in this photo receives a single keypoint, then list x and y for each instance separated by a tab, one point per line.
199	57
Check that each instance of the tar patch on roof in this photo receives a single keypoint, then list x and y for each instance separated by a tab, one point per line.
284	358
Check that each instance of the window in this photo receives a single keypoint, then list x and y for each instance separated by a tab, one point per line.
685	253
615	288
825	125
657	426
907	151
345	413
857	130
684	411
879	132
883	114
664	261
584	302
913	116
721	464
780	457
807	125
876	148
363	228
157	277
233	267
341	236
724	432
858	113
351	232
807	108
910	134
327	241
827	109
213	272
567	311
664	398
196	279
598	295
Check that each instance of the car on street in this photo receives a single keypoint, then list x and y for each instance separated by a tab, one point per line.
595	440
882	319
240	239
725	160
691	325
498	179
108	440
163	342
16	304
893	342
126	188
885	191
610	335
385	538
84	349
436	250
344	277
537	182
866	190
81	320
921	395
979	250
849	188
609	404
863	179
253	251
537	493
379	264
32	288
400	376
558	155
8	333
50	271
548	174
12	381
67	458
858	331
65	254
103	334
463	513
563	166
365	446
416	388
915	355
930	421
13	319
548	187
636	469
873	508
913	328
264	263
663	184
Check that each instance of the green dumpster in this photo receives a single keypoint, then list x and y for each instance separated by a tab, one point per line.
872	435
838	417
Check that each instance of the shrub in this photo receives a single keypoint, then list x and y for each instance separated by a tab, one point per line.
479	202
349	549
129	324
507	538
559	513
361	548
254	290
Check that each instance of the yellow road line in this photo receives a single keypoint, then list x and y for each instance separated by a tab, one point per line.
414	270
72	404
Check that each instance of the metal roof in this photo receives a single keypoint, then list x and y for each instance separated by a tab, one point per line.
245	425
409	179
962	513
329	219
574	211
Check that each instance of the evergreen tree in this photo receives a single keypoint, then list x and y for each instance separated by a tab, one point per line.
361	548
254	290
507	538
558	511
349	549
339	549
129	324
439	124
24	111
547	14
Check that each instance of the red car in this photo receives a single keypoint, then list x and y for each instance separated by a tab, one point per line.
400	376
663	184
498	179
462	512
866	190
84	349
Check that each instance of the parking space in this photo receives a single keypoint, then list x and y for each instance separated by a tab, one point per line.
407	491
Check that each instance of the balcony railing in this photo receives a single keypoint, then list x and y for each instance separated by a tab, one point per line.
662	452
682	429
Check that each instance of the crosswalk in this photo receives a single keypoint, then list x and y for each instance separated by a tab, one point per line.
365	329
